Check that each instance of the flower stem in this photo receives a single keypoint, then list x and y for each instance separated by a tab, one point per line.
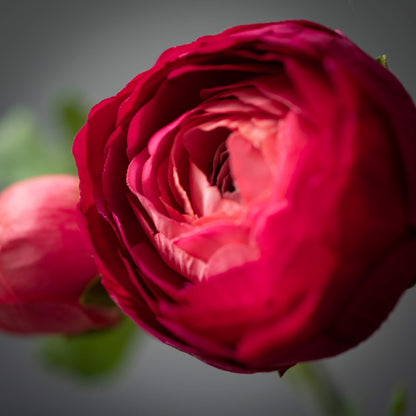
398	402
316	381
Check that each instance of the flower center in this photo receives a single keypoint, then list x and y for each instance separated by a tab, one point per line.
220	175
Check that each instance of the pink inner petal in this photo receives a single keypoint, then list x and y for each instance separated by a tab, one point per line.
229	256
204	242
252	176
187	265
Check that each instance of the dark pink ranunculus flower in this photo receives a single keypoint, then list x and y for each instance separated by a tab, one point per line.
45	262
251	198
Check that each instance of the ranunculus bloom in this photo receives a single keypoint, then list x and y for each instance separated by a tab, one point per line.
45	263
251	198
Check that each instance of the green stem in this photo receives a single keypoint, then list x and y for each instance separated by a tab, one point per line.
315	380
398	402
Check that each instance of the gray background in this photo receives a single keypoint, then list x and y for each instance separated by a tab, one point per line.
95	47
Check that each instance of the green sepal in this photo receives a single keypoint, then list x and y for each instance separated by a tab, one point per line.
382	59
96	295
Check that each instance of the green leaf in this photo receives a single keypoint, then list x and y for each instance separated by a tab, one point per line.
382	59
71	113
92	355
96	295
398	402
26	151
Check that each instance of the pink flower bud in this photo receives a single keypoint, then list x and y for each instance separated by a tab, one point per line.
45	264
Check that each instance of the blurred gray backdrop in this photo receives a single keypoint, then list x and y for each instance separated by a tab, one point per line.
95	47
